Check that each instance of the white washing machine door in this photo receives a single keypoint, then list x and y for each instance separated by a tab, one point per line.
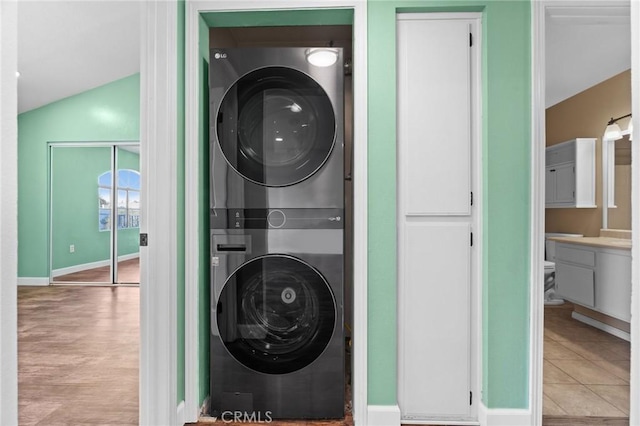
276	314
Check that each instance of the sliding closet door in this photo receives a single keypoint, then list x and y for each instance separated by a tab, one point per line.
127	253
436	166
80	200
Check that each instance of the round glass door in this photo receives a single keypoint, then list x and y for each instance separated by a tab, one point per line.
276	314
276	126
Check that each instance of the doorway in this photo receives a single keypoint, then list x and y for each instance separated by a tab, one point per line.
581	351
94	213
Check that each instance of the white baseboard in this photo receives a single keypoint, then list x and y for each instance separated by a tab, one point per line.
504	416
180	415
91	265
33	281
78	268
383	415
129	256
601	326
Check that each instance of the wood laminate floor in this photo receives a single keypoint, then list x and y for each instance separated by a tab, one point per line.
78	355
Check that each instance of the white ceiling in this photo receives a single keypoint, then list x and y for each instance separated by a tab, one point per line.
585	46
67	47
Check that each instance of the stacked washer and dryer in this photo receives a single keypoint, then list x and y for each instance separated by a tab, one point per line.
277	234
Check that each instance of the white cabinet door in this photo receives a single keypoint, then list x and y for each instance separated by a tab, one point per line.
434	115
570	174
613	284
575	283
436	162
435	317
565	183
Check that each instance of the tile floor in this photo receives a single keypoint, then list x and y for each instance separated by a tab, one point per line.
586	371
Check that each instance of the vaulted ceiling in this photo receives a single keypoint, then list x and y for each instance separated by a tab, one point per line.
67	47
585	45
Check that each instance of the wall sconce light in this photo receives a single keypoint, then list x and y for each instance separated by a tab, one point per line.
613	131
322	56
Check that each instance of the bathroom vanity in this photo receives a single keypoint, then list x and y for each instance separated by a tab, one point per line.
595	273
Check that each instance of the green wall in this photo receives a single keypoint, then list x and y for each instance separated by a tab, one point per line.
107	113
506	146
75	172
75	206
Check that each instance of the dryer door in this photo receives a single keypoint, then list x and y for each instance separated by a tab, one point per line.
276	314
276	126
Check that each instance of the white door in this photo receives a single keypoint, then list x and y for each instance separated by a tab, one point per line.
437	167
565	188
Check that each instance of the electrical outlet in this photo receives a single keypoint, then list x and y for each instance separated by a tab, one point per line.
72	248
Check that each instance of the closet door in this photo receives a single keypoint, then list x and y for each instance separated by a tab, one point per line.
436	165
80	214
127	256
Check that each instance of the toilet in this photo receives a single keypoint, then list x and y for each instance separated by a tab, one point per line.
550	268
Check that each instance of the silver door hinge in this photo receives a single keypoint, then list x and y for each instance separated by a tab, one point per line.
470	398
472	198
144	240
472	239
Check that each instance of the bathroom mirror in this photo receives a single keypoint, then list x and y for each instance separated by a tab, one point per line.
616	184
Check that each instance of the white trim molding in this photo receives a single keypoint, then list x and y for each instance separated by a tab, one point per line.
8	213
383	415
504	416
180	419
634	412
191	212
158	265
536	236
194	10
539	8
33	281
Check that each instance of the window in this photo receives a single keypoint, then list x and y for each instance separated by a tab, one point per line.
128	202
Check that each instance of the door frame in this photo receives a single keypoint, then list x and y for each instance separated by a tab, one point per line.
8	212
536	307
194	9
158	187
155	346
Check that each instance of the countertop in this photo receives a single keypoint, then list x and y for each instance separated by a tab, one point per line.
605	242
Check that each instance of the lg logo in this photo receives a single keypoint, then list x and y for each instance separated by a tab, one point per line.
219	55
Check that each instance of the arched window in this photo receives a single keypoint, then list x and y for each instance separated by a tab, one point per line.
128	202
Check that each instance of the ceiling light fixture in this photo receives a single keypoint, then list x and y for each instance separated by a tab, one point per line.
322	56
613	132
